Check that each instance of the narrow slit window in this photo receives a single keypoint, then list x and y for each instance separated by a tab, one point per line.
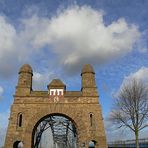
91	120
20	120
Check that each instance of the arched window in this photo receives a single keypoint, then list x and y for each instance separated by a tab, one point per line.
19	120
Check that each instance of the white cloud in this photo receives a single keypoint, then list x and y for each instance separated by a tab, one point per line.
40	80
142	44
2	136
76	35
112	134
1	91
4	118
3	126
140	75
116	134
8	38
7	35
79	34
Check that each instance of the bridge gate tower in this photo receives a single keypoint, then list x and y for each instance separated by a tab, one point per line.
56	118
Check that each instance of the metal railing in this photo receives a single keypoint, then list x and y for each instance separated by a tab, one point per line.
143	143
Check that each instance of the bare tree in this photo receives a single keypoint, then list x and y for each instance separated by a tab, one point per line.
130	108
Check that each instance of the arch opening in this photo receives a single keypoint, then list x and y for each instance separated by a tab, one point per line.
55	131
92	144
18	144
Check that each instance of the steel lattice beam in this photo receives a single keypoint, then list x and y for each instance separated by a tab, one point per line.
62	130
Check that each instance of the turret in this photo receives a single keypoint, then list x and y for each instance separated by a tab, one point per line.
24	85
88	81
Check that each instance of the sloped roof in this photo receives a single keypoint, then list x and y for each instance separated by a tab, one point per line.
56	83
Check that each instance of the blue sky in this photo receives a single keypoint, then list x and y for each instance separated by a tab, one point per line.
56	37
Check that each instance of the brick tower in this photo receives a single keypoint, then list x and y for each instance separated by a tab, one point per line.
80	108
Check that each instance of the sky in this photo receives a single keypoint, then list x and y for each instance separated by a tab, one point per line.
57	37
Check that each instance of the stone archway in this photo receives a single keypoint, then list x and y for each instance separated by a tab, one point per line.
75	115
55	130
81	106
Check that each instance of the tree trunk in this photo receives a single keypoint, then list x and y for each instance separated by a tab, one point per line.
137	138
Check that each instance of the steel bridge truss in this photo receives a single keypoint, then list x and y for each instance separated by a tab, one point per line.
61	133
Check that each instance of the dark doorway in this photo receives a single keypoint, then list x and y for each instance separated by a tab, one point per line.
18	144
92	144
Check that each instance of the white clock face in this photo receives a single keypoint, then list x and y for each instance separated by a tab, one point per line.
56	99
